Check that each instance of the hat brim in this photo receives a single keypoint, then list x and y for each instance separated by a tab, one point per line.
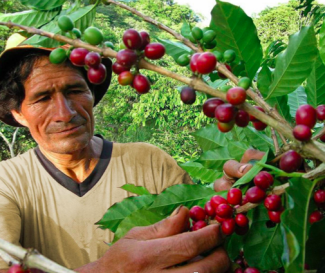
8	57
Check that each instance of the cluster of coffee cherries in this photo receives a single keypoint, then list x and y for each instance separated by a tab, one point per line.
17	268
306	118
222	210
137	45
243	267
319	198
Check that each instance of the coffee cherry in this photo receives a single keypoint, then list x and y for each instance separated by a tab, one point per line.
219	219
97	75
225	127
206	63
197	213
198	225
255	195
216	200
210	45
320	110
234	196
209	209
290	161
229	55
239	270
93	36
315	216
228	226
224	211
319	196
244	201
76	32
322	138
126	57
197	33
16	268
118	68
208	36
145	39
273	202
225	112
244	82
306	115
263	180
236	95
241	220
302	132
210	105
77	56
222	76
251	270
275	215
252	118
241	230
58	56
109	44
92	59
125	78
193	62
188	95
132	39
141	84
154	51
65	23
242	118
259	125
184	59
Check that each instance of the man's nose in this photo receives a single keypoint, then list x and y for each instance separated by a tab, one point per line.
63	109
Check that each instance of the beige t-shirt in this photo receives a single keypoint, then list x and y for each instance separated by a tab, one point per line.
38	212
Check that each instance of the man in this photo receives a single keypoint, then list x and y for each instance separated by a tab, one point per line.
51	196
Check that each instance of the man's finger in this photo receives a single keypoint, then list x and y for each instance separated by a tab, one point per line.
223	184
233	168
251	154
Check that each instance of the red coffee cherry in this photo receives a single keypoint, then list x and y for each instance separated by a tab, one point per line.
93	59
275	215
125	78
219	219
77	56
193	62
132	39
320	110
16	268
306	115
315	216
217	200
228	226
236	95
141	84
210	106
241	220
118	68
224	211
251	270
242	118
198	225
290	161
145	39
273	202
302	132
225	112
259	125
197	213
319	196
322	138
263	180
206	63
126	57
255	195
222	76
239	270
97	75
154	51
209	209
252	118
225	127
188	95
234	196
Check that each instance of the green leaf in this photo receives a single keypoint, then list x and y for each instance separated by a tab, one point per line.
198	171
214	159
116	213
236	149
252	172
295	223
210	137
282	106
264	80
138	218
295	99
315	250
43	5
234	245
186	29
174	49
322	42
139	190
315	87
278	172
294	64
258	139
30	17
235	30
263	246
174	196
82	18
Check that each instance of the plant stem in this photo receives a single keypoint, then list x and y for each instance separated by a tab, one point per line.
275	141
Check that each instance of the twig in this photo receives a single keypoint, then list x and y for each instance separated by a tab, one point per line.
283	139
320	134
275	141
7	258
34	260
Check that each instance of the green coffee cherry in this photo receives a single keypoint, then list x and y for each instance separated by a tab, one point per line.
109	44
183	60
93	36
218	55
225	88
245	82
197	33
58	55
211	44
76	32
191	38
65	23
209	36
229	55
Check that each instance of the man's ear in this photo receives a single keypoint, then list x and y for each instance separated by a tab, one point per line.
19	117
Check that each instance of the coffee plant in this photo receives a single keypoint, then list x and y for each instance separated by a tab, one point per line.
273	215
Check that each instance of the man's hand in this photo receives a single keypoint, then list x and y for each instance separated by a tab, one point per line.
233	169
164	247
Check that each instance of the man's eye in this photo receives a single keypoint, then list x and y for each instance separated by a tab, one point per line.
43	99
75	91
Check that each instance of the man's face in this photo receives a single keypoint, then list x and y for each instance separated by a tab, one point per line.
58	108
